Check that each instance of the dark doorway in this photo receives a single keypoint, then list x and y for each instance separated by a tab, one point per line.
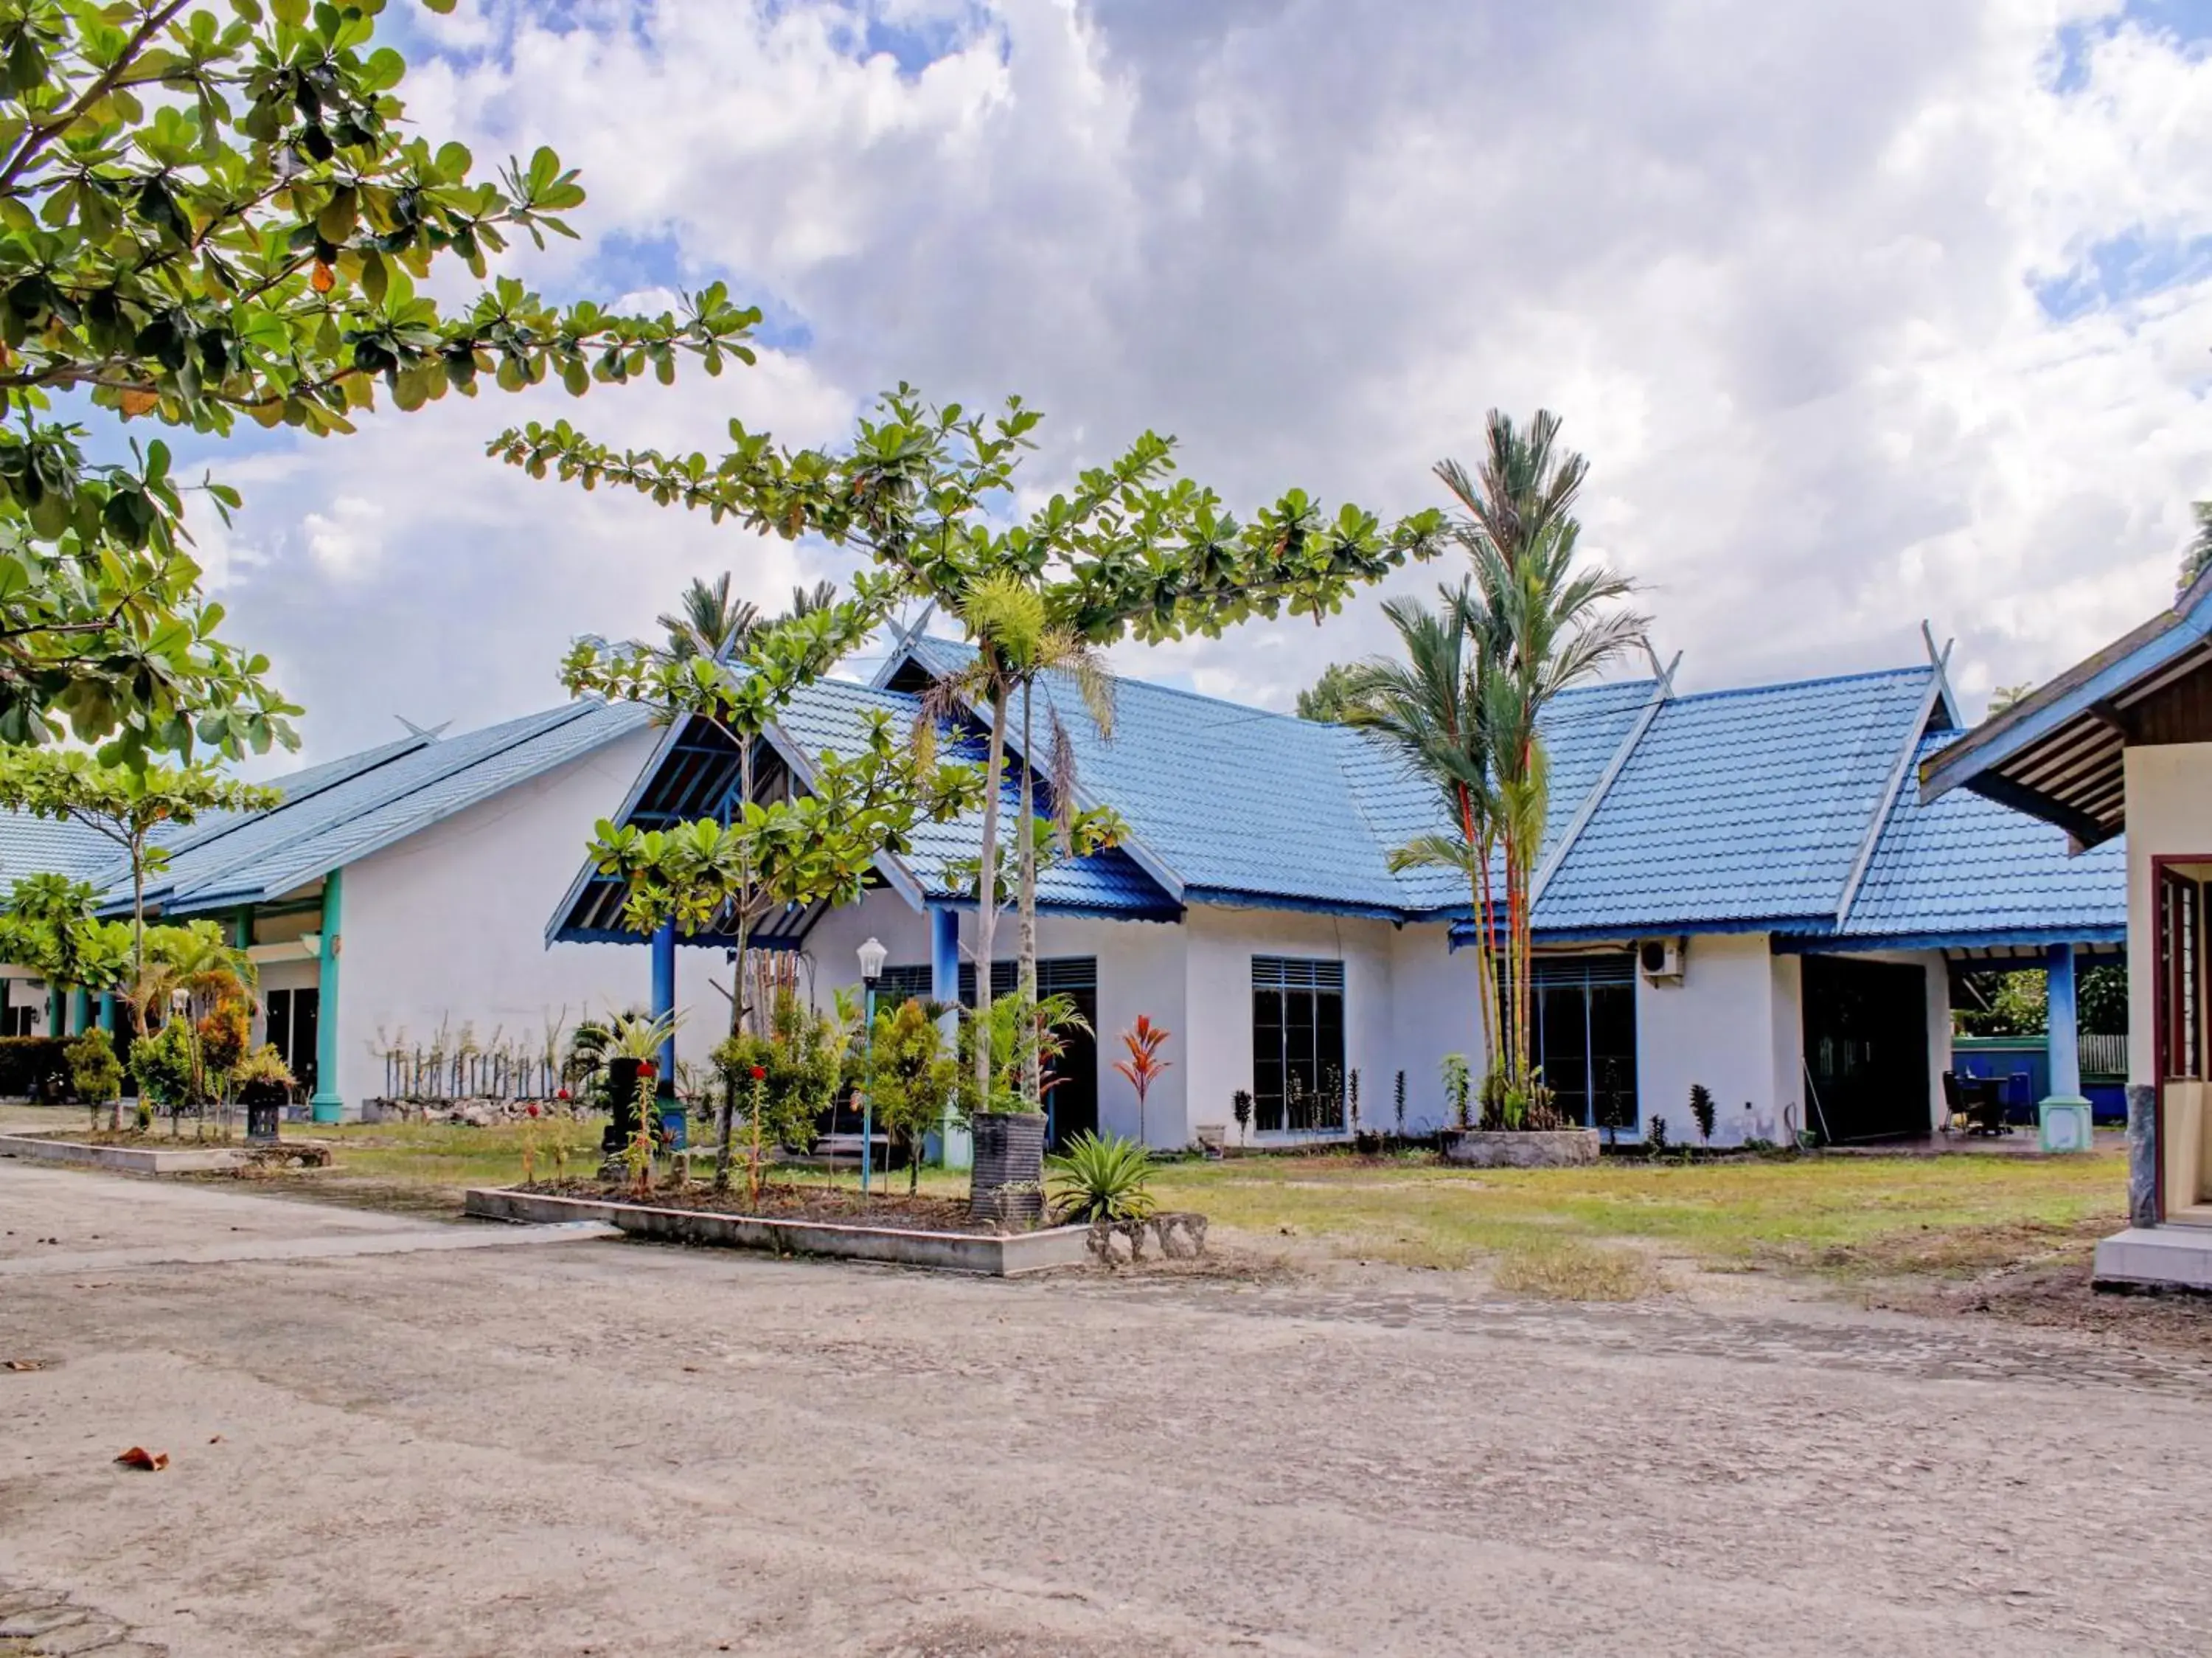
290	1018
1071	1082
1866	1049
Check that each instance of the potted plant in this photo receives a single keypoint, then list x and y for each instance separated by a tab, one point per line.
1009	1136
264	1085
633	1064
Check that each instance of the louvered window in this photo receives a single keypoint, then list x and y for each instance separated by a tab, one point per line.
1297	1044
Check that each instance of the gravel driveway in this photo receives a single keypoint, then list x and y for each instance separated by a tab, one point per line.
572	1448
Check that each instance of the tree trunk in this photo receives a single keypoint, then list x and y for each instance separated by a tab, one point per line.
986	895
1032	1055
725	1119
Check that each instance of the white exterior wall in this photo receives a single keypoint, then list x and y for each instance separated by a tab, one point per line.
1436	1005
1404	1001
1141	970
448	925
1222	943
2169	795
1720	1027
1737	1023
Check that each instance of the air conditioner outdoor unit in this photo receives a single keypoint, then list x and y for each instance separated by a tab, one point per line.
1661	960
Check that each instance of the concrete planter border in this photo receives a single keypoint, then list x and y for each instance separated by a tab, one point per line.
126	1160
1475	1147
949	1252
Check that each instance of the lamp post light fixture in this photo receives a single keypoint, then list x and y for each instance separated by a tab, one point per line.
873	954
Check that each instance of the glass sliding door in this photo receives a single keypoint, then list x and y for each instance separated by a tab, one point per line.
1584	1037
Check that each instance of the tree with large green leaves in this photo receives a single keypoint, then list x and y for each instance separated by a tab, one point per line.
814	847
211	213
48	923
126	806
1017	645
922	492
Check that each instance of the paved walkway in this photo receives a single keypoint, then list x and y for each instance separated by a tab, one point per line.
626	1451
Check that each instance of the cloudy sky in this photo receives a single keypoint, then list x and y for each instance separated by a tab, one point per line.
1863	313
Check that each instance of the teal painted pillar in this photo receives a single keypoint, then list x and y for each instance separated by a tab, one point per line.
7	1021
242	928
80	1011
55	1007
327	1106
106	1011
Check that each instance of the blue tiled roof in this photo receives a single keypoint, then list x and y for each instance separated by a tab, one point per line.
1740	807
1964	864
831	715
1247	805
335	813
1748	809
34	845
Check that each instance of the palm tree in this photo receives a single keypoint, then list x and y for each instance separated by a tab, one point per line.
1017	643
1066	654
1543	623
707	621
1430	708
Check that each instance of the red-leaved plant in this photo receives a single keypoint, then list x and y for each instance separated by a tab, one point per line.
1144	1041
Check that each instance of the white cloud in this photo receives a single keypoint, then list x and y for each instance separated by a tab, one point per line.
1776	266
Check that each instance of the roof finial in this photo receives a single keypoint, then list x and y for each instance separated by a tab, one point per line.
428	734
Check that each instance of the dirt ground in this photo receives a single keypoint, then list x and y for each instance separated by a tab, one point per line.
566	1446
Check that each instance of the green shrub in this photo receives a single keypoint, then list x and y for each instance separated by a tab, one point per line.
1101	1180
95	1074
163	1062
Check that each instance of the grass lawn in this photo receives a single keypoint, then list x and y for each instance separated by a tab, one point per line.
1847	1217
1591	1234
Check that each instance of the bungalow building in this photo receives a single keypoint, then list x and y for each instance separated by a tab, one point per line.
2122	742
391	903
1738	889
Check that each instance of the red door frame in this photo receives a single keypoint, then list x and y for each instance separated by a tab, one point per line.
2161	864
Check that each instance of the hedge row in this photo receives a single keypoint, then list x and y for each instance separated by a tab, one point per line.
29	1064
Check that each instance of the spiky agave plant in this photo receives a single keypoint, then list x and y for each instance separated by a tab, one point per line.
1098	1178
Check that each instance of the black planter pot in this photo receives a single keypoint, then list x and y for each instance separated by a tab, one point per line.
264	1109
1008	1181
622	1095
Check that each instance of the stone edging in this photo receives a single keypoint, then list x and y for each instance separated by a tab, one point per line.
951	1252
127	1160
1474	1148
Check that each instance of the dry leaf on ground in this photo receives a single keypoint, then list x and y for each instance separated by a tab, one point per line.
22	1364
139	1457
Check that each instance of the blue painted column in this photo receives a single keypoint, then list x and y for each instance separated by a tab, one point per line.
956	1146
2064	1113
2064	1045
664	998
329	1105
